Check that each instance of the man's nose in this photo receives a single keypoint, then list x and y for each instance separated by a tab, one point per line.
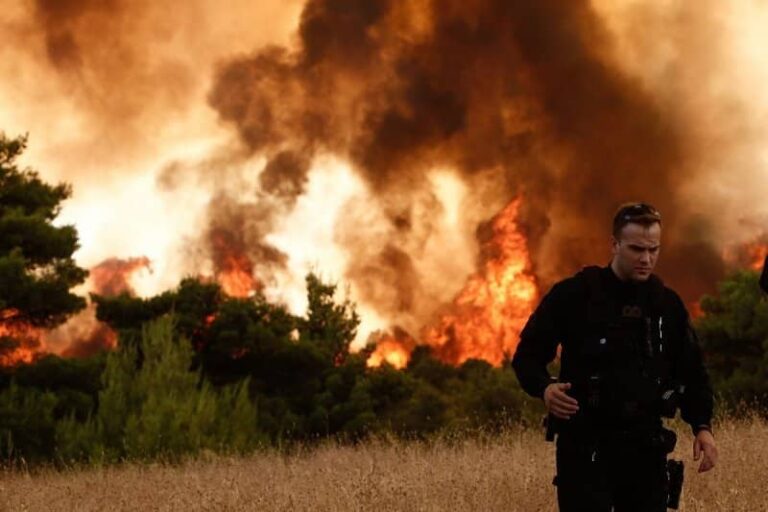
645	257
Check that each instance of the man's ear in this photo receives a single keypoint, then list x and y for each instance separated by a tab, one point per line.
614	245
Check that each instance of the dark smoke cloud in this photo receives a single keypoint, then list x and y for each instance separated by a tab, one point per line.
285	175
392	265
60	20
527	87
240	215
390	247
235	237
106	52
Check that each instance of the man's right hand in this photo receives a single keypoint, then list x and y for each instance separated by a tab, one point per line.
558	403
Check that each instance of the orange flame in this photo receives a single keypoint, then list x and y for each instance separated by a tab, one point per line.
234	269
488	314
236	280
756	255
750	255
82	334
394	349
19	342
494	305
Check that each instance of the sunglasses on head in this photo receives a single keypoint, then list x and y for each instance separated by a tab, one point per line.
637	210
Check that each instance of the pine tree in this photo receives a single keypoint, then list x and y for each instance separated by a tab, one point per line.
37	270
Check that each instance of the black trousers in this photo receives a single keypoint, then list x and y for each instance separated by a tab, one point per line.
603	477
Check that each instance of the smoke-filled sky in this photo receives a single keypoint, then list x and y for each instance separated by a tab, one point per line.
372	141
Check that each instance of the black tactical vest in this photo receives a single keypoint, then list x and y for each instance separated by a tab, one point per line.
620	371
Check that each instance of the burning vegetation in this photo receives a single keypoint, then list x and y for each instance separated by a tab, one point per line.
750	255
234	270
532	106
19	342
80	336
486	317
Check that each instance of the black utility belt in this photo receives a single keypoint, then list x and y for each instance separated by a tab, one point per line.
658	439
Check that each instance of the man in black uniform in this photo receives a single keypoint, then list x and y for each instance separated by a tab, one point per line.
628	357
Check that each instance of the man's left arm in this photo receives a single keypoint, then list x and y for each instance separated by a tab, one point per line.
697	399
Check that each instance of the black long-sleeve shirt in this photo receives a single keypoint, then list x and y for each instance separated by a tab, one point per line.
561	319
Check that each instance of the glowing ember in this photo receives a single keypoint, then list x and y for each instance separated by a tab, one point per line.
489	313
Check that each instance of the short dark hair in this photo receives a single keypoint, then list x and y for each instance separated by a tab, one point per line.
637	213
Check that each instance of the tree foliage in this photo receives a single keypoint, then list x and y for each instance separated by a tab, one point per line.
159	408
36	265
734	337
329	325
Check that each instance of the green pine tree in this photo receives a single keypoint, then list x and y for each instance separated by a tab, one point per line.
155	406
36	266
733	334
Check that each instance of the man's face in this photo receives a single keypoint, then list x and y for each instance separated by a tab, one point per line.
635	251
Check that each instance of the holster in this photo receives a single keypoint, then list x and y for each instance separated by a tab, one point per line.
675	470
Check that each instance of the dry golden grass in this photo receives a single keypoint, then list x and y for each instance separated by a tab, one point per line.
512	472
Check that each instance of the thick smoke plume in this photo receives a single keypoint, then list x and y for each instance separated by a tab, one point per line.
136	74
236	243
123	78
526	93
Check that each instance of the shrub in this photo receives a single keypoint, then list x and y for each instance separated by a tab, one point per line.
153	406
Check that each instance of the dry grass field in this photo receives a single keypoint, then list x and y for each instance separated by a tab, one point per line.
512	472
